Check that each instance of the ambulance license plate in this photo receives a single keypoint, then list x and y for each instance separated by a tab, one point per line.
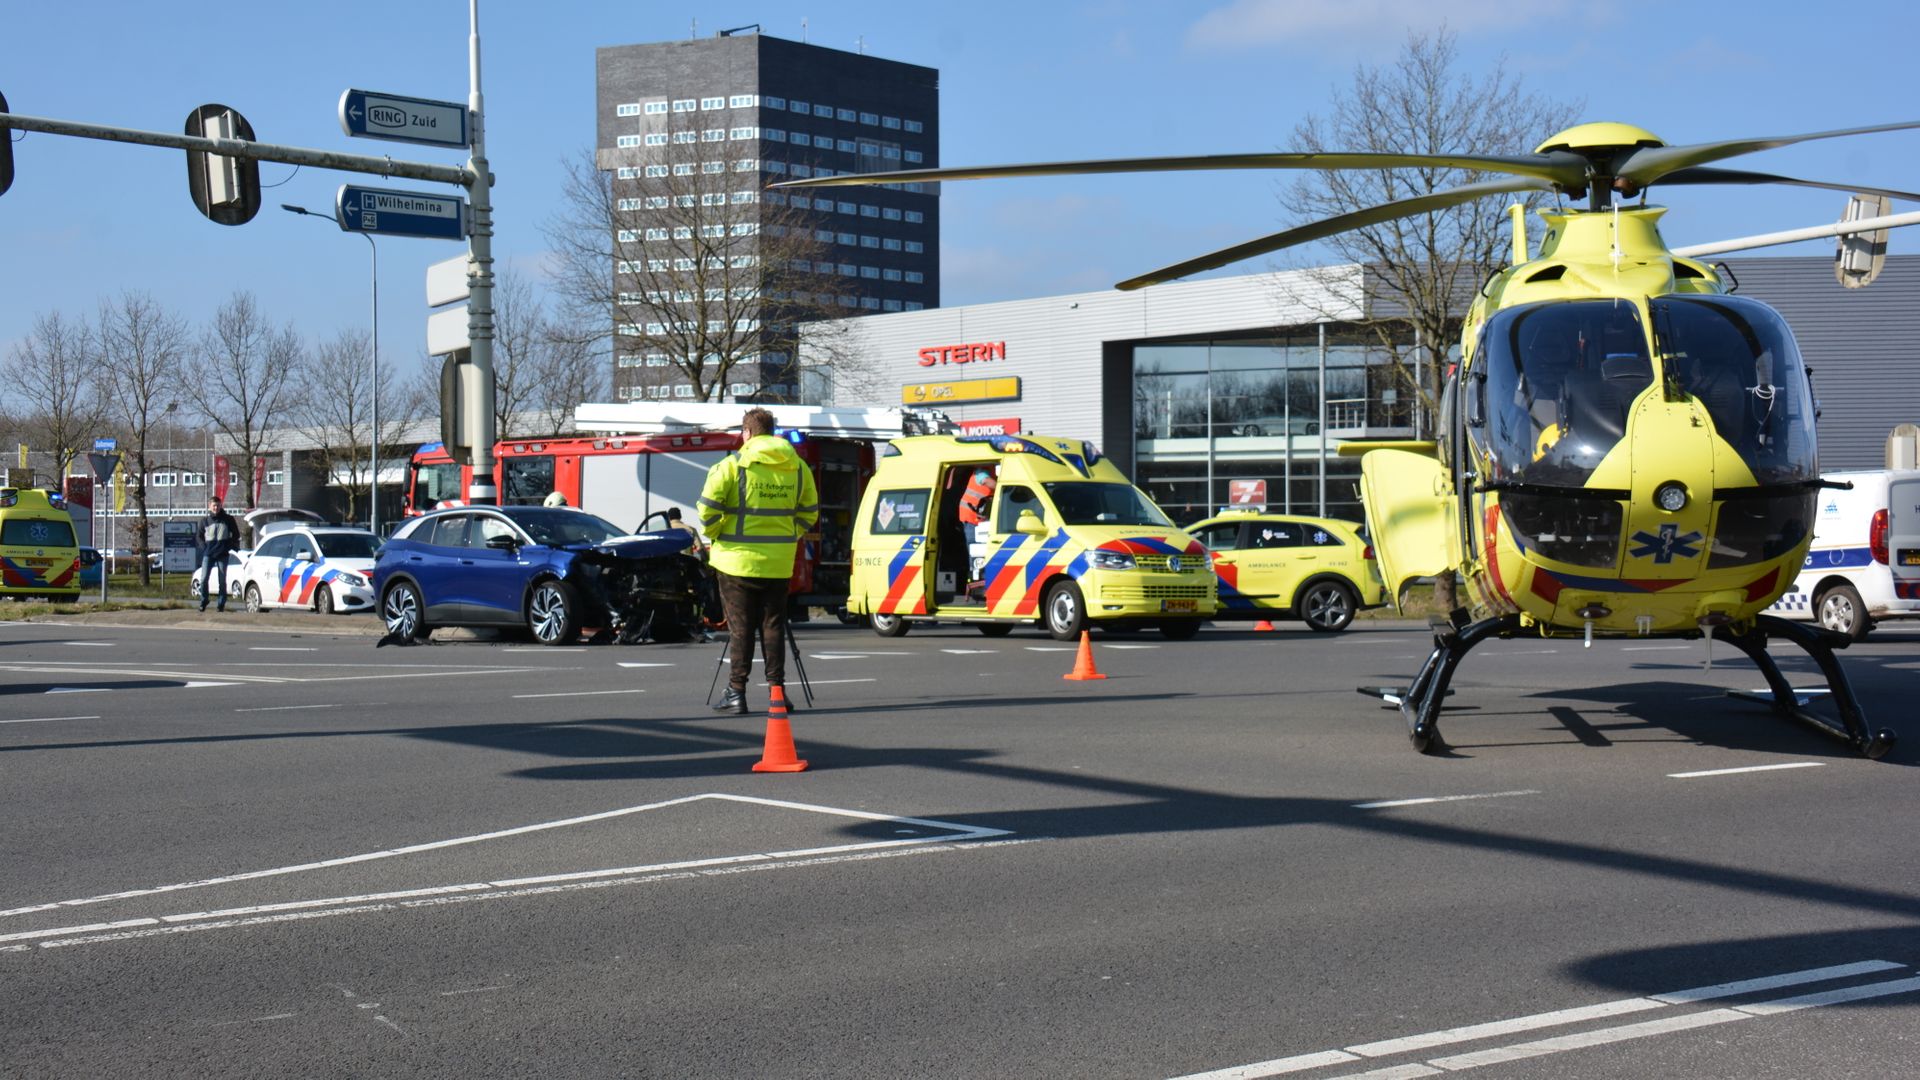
1180	605
1910	556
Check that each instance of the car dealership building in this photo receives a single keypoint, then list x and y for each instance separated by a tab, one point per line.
1190	386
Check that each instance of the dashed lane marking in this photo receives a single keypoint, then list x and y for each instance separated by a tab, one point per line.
46	719
1439	799
289	708
641	663
1745	769
580	693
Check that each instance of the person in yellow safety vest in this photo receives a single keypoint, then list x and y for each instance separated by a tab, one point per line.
756	505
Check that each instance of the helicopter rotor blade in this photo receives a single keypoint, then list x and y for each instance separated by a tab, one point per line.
1648	164
1707	175
1559	166
1359	219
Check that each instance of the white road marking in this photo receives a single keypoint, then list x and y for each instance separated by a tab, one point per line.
1108	645
581	693
970	652
1745	769
641	663
81	690
289	708
1657	648
475	990
281	648
831	682
966	832
1051	648
1601	1037
854	655
1775	982
1495	1028
47	719
93	644
1559	1017
1438	799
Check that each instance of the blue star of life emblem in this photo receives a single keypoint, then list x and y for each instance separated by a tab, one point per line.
1667	546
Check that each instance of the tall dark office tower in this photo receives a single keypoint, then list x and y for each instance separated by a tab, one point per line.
712	272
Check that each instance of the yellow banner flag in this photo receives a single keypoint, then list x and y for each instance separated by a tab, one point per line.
120	485
23	455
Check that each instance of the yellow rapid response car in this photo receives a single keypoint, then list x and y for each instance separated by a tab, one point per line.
1065	541
1270	566
39	557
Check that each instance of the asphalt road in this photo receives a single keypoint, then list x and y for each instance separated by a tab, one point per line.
251	850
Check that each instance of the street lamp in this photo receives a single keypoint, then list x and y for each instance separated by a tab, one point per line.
373	254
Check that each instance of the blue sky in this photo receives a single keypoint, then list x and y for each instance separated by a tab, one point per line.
1020	82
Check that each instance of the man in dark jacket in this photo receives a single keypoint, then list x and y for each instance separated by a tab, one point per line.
217	535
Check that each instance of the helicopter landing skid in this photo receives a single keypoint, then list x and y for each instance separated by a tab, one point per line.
1420	703
1819	643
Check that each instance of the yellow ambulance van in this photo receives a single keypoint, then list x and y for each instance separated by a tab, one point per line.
1067	542
39	558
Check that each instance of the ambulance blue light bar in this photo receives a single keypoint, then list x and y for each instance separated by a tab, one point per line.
1011	444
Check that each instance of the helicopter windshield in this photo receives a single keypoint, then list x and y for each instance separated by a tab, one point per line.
1738	359
1560	377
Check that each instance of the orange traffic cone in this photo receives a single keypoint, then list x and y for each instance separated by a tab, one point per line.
1263	625
778	756
1083	663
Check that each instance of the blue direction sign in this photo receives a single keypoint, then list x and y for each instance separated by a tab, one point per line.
105	445
401	213
370	114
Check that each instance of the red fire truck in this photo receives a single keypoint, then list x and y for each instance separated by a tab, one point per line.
649	457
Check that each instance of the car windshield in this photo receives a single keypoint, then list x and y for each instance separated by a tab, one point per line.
347	545
556	527
1083	503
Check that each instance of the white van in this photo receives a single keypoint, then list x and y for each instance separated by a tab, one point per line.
1864	565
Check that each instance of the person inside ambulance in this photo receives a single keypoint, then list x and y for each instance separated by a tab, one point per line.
976	512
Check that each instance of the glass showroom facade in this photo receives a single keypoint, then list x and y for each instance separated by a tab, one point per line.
1265	407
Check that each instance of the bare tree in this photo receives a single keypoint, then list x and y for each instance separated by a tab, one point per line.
694	269
572	369
1420	273
525	361
241	379
66	405
335	402
142	347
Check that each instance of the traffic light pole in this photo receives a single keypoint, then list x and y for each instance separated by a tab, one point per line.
481	490
477	403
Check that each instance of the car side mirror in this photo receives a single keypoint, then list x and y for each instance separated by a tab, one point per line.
503	542
1029	522
303	555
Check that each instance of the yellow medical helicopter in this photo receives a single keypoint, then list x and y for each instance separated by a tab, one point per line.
1625	447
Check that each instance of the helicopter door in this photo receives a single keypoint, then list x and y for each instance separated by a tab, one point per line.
1409	515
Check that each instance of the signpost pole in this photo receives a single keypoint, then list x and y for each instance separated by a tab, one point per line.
481	491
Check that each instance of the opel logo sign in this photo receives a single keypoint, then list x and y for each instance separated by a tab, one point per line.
1173	563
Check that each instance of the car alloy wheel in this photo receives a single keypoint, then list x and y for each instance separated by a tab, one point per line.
1327	606
551	613
254	600
403	612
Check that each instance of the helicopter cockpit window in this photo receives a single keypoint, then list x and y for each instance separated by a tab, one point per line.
1738	359
1560	378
